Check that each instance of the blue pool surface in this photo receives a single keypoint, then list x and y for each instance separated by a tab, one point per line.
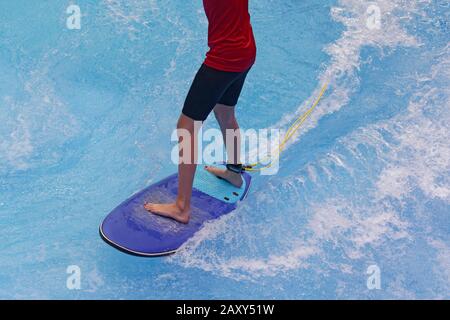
86	119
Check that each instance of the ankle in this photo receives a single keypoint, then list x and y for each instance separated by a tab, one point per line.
233	175
182	205
234	168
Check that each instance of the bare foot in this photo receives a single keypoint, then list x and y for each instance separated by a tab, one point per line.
169	210
234	178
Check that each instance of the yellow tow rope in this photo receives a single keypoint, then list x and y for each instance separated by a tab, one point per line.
289	134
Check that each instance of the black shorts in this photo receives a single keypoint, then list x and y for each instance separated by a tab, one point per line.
212	86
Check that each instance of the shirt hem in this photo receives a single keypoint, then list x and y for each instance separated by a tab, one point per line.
227	68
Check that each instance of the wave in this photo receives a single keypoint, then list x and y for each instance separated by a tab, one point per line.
350	201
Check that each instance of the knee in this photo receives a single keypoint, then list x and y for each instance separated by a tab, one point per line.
225	116
180	123
185	122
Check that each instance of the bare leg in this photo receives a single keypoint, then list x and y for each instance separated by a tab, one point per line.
229	127
180	210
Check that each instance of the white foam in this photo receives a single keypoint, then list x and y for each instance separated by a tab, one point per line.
36	120
443	261
422	153
15	149
127	14
192	254
352	227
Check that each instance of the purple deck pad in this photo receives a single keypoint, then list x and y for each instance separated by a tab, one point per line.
132	229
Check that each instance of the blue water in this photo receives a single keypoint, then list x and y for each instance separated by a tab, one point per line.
86	117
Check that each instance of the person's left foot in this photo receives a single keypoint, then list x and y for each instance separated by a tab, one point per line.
232	177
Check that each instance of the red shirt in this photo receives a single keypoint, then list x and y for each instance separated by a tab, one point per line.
230	35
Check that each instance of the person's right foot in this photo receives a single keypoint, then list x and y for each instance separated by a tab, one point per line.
169	210
234	178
